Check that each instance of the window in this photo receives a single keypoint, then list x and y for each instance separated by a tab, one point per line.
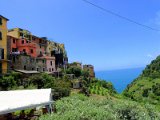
33	38
32	68
28	36
1	53
22	41
49	69
52	69
24	67
40	41
31	50
0	35
51	63
40	46
37	69
0	21
14	49
43	69
14	41
43	61
21	34
24	50
14	59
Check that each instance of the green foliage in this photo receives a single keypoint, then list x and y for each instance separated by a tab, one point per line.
153	70
74	70
146	88
85	73
79	107
7	82
41	80
10	81
61	86
101	87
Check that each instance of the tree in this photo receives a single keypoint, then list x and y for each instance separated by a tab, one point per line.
74	70
7	82
42	80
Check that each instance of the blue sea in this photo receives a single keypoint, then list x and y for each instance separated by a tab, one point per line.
120	78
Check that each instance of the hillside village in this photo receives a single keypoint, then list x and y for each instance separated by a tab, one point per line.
36	71
29	54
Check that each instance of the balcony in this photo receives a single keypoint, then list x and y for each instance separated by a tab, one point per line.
18	53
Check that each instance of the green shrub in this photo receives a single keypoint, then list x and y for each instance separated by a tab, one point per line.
79	107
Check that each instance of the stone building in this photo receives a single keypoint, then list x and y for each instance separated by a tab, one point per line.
23	62
90	69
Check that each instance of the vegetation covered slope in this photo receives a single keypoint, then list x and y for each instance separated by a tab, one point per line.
80	107
147	86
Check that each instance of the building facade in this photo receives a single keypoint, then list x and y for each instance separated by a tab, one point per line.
20	33
3	45
32	53
41	44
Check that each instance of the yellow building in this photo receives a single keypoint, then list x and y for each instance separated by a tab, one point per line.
20	33
3	45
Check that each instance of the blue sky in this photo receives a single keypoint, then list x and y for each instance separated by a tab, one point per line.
90	35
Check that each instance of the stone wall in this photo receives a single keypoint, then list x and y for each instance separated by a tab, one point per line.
89	68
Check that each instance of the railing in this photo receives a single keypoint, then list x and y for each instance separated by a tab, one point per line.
18	53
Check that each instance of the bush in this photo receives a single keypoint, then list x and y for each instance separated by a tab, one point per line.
79	107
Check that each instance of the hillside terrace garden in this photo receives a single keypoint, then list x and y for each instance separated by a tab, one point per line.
96	99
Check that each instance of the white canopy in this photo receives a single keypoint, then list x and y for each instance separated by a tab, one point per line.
10	101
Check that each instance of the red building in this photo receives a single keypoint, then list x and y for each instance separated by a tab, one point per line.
22	46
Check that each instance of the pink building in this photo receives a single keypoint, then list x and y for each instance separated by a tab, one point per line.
50	64
40	45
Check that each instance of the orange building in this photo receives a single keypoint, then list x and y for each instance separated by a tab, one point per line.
22	46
